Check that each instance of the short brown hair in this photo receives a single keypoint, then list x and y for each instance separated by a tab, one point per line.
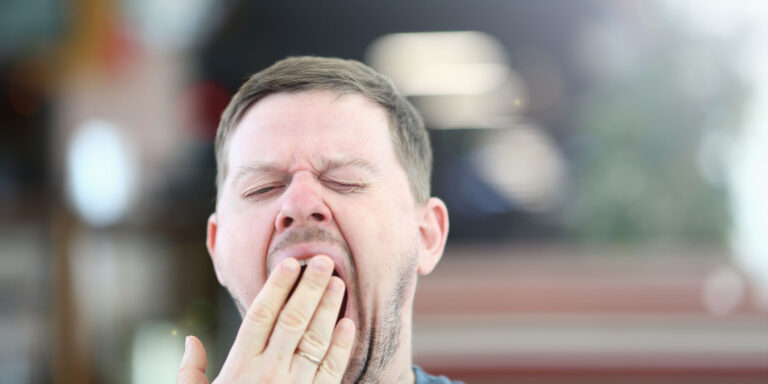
305	73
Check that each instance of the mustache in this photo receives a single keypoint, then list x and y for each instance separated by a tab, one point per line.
307	235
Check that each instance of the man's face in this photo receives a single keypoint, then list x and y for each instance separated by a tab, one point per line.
316	173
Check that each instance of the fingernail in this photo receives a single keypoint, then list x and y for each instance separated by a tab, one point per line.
321	264
345	324
186	344
335	284
290	264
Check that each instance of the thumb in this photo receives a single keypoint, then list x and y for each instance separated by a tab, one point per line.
192	368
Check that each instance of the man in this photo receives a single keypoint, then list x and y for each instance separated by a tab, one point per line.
323	221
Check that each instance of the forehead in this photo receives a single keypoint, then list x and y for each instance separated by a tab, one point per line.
309	128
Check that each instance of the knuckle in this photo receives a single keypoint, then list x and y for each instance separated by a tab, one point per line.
330	303
267	376
283	283
312	342
292	320
261	314
185	372
332	367
345	343
316	283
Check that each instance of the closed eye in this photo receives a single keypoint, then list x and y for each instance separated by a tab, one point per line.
343	187
263	191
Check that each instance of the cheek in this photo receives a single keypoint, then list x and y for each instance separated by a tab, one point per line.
241	250
367	227
400	216
378	233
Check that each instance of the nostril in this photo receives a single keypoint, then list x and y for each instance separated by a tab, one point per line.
287	221
318	216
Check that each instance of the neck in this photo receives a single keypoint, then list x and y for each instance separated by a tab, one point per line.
397	366
400	369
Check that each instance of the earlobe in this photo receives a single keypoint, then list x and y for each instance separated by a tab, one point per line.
210	243
433	229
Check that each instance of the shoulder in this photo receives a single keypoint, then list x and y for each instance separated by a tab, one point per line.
425	378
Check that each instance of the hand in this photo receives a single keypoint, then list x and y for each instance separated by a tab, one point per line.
276	343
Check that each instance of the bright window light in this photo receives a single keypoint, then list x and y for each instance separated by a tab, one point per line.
101	173
441	63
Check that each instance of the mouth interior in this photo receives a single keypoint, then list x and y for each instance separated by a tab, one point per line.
343	308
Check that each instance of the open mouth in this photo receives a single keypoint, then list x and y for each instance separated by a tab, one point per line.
343	308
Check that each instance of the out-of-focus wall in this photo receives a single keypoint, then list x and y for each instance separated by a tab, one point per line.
603	163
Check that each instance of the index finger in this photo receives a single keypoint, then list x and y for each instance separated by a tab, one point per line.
261	316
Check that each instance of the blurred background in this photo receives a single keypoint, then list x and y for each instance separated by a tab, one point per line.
605	164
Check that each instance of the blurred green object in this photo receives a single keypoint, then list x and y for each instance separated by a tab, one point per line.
636	175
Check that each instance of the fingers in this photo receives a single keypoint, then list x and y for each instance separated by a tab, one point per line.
272	328
262	314
295	317
317	338
193	364
336	360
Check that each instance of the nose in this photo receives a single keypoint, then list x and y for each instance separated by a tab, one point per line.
302	205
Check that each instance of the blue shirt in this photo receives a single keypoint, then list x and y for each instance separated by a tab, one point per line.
425	378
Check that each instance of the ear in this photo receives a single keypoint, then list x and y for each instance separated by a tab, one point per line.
210	243
433	232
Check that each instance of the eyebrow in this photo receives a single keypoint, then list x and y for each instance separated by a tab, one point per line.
253	168
349	162
327	165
